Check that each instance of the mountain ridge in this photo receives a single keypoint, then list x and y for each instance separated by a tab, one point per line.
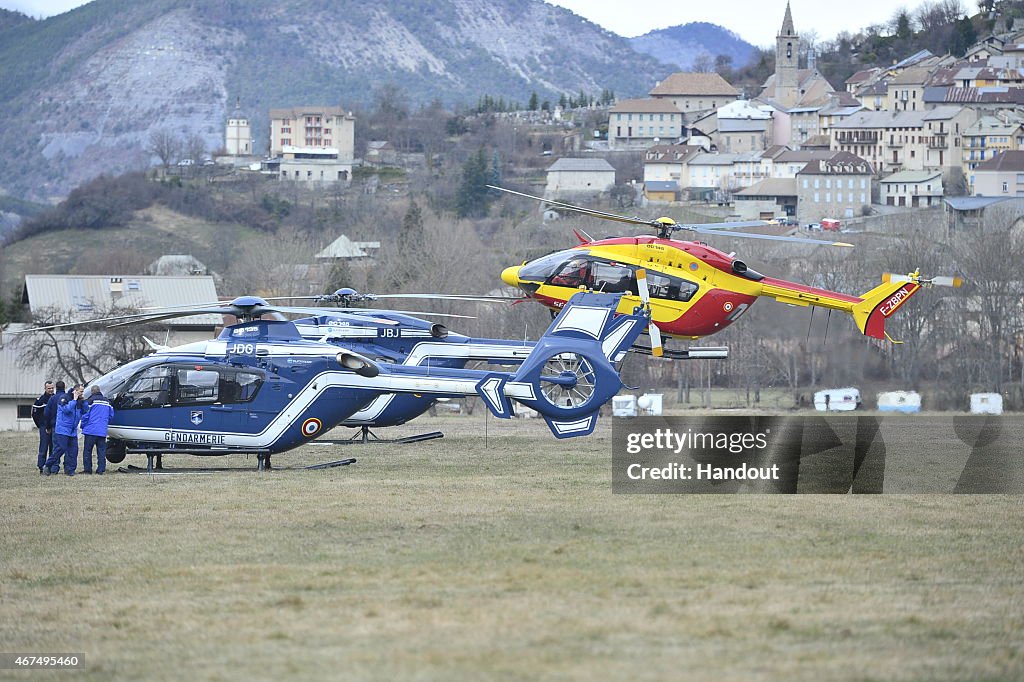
684	44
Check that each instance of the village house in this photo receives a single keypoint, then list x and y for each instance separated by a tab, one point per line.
1002	176
568	177
916	189
943	128
665	161
988	137
312	144
640	123
695	93
839	187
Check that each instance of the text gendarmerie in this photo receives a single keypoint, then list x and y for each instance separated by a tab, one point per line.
196	438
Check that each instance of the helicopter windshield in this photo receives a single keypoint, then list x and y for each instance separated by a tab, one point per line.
112	383
543	268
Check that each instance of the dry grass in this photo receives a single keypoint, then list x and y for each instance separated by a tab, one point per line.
507	558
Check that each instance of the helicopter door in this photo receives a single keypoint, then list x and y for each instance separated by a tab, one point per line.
146	400
199	403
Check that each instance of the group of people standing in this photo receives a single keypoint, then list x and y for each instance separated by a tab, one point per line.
58	414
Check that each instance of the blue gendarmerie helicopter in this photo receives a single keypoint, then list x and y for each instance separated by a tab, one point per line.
262	388
394	337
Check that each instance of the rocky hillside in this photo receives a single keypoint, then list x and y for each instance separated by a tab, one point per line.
83	91
684	45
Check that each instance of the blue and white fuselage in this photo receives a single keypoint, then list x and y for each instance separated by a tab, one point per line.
410	341
261	387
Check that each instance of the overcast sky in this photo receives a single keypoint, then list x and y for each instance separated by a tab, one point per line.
755	21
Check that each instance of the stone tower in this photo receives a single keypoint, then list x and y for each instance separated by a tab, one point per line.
787	61
238	134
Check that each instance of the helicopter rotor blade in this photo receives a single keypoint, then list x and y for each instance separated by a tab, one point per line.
943	281
668	225
724	232
578	209
645	297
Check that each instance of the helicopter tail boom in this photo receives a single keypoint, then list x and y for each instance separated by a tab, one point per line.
869	310
881	302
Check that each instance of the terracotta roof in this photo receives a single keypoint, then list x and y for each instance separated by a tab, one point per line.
645	106
682	83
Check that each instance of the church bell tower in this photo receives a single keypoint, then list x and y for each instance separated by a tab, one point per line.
787	61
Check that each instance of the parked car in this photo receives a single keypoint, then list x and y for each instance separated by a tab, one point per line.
186	162
830	224
814	226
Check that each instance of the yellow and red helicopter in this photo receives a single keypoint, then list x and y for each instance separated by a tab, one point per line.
692	289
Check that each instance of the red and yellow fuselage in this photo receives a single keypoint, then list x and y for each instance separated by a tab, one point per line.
697	290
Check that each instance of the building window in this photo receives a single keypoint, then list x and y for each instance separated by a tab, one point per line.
1005	188
24	411
816	199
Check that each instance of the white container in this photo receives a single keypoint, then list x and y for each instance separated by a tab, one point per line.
899	401
986	403
624	406
837	399
649	404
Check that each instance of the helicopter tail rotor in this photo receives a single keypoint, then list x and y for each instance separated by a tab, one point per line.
881	302
570	373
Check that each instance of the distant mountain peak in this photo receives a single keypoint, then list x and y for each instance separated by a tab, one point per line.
682	45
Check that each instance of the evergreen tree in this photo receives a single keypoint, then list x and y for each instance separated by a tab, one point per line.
473	194
534	101
412	222
495	175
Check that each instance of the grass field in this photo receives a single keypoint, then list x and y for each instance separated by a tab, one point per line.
497	557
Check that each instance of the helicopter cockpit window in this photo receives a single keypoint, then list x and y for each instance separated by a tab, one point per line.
575	273
197	386
611	278
151	388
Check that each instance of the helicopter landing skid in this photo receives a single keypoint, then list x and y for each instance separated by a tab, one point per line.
707	353
366	437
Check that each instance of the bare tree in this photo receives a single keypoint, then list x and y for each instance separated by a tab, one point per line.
195	147
164	145
703	63
81	353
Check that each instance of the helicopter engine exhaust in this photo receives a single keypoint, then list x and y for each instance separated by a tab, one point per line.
739	267
358	364
438	331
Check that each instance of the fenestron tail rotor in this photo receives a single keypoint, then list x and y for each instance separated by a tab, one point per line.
942	281
666	227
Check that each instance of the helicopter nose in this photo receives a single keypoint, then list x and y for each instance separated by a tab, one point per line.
510	276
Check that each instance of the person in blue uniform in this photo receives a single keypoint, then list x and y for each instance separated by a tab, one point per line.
50	414
39	419
95	420
65	432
